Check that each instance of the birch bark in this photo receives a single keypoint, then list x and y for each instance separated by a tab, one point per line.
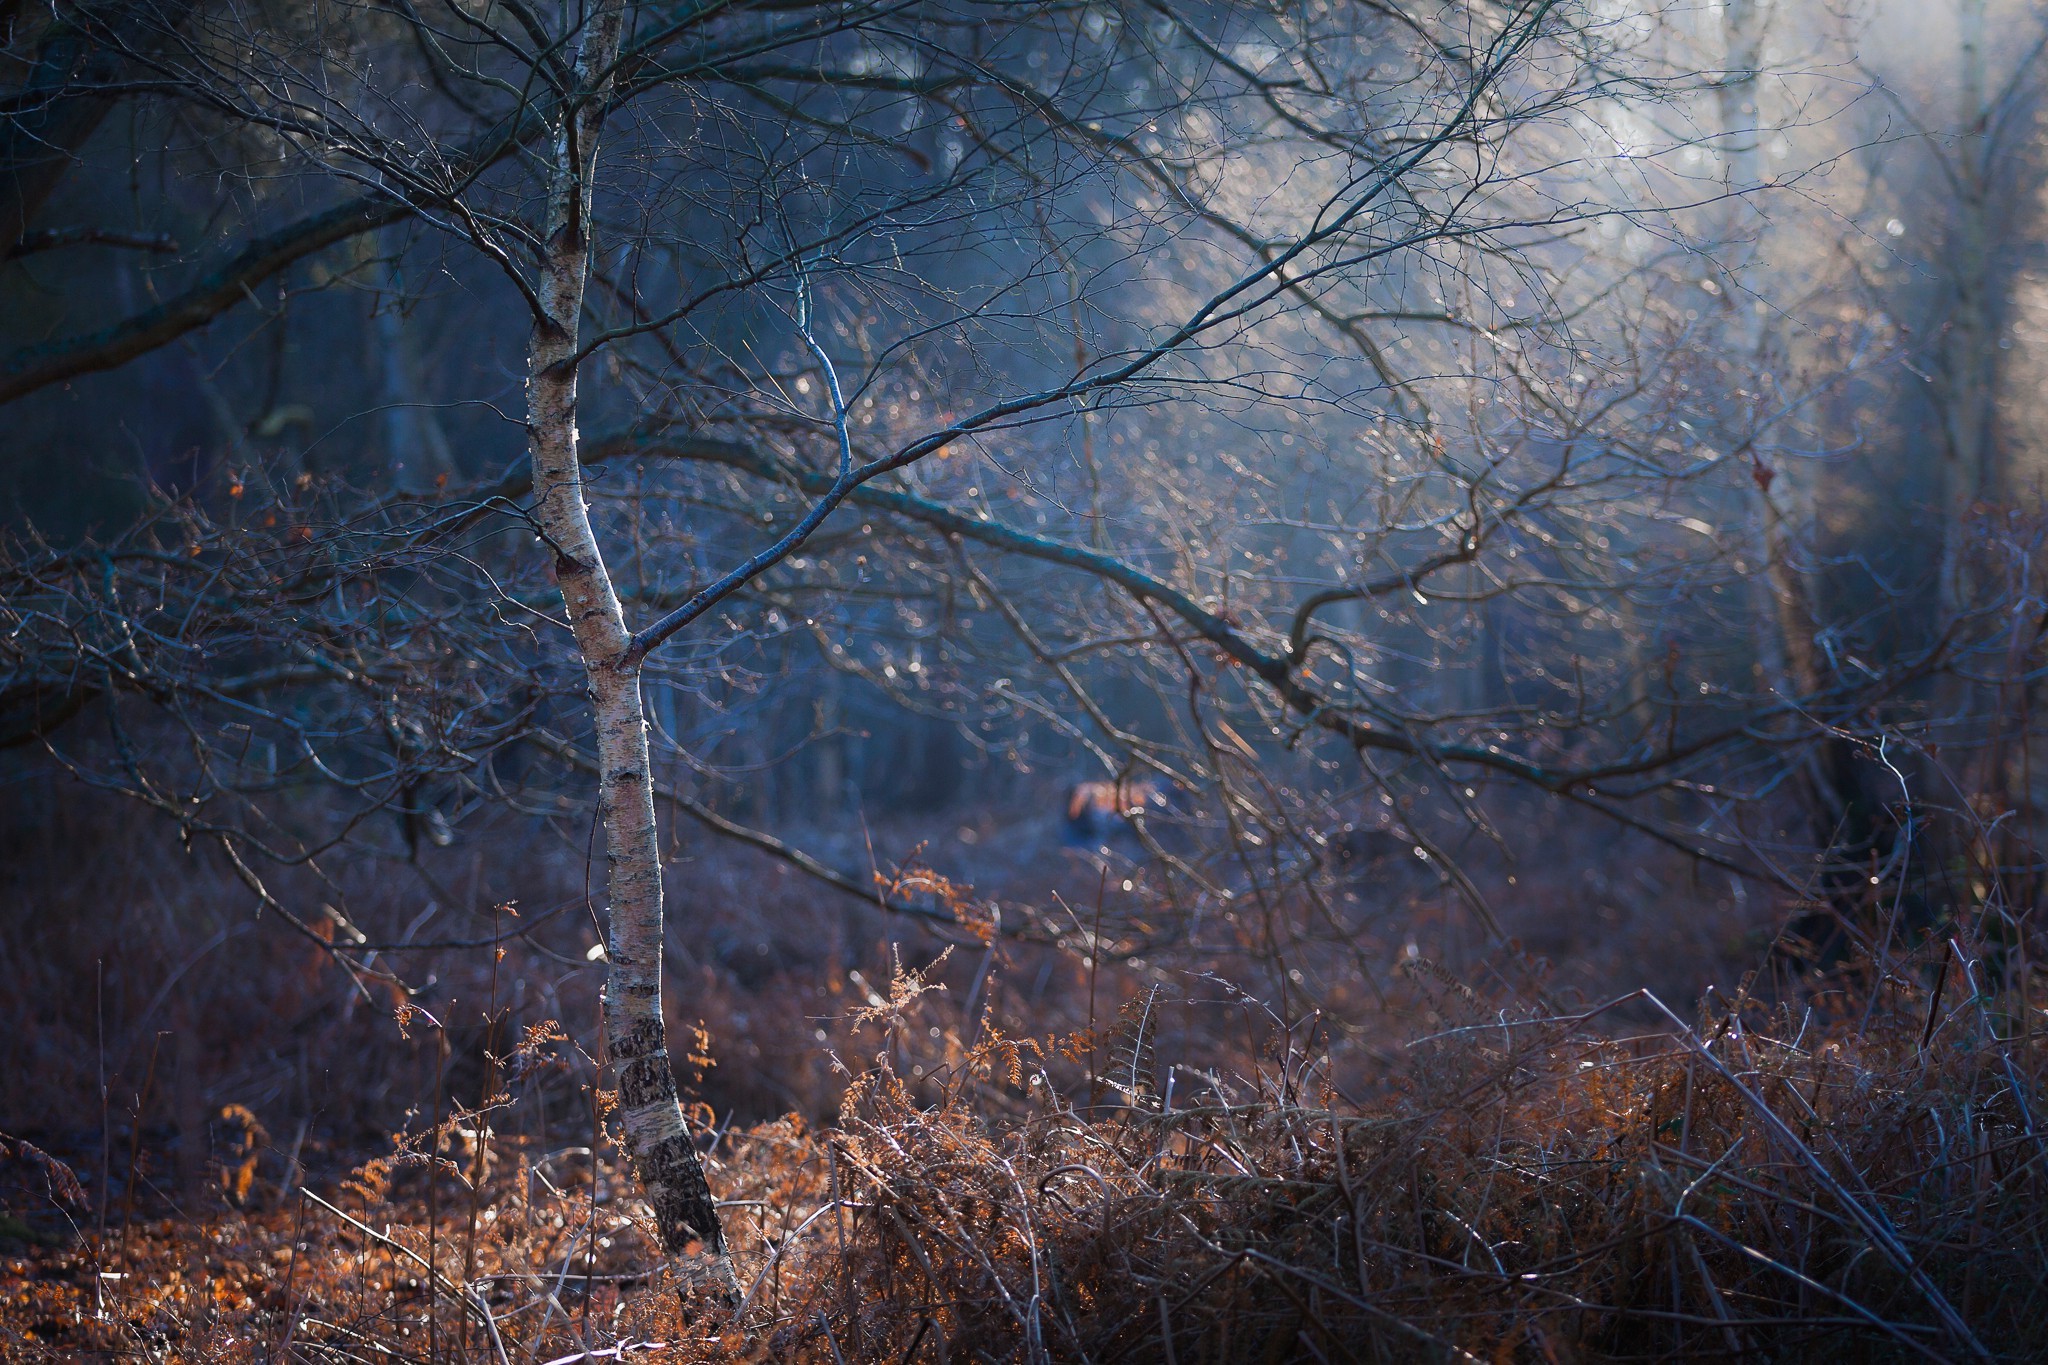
657	1140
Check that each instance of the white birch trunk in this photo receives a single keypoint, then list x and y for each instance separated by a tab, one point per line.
657	1139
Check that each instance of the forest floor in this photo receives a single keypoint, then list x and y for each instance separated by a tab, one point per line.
1353	1131
1756	1182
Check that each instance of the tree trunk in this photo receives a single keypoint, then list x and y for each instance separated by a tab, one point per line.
1848	818
416	451
72	84
1784	504
1966	394
1783	618
1969	358
657	1139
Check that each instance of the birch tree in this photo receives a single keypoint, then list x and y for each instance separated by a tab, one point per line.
658	1142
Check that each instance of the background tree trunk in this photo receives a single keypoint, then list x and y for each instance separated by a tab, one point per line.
1969	359
70	88
416	448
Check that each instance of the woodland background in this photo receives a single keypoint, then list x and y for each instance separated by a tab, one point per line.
1531	514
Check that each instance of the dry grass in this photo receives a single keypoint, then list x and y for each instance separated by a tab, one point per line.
1783	1183
1468	1166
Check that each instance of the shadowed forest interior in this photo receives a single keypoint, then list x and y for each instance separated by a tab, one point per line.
1029	681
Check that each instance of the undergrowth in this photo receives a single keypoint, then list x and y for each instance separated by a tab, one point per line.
1855	1178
